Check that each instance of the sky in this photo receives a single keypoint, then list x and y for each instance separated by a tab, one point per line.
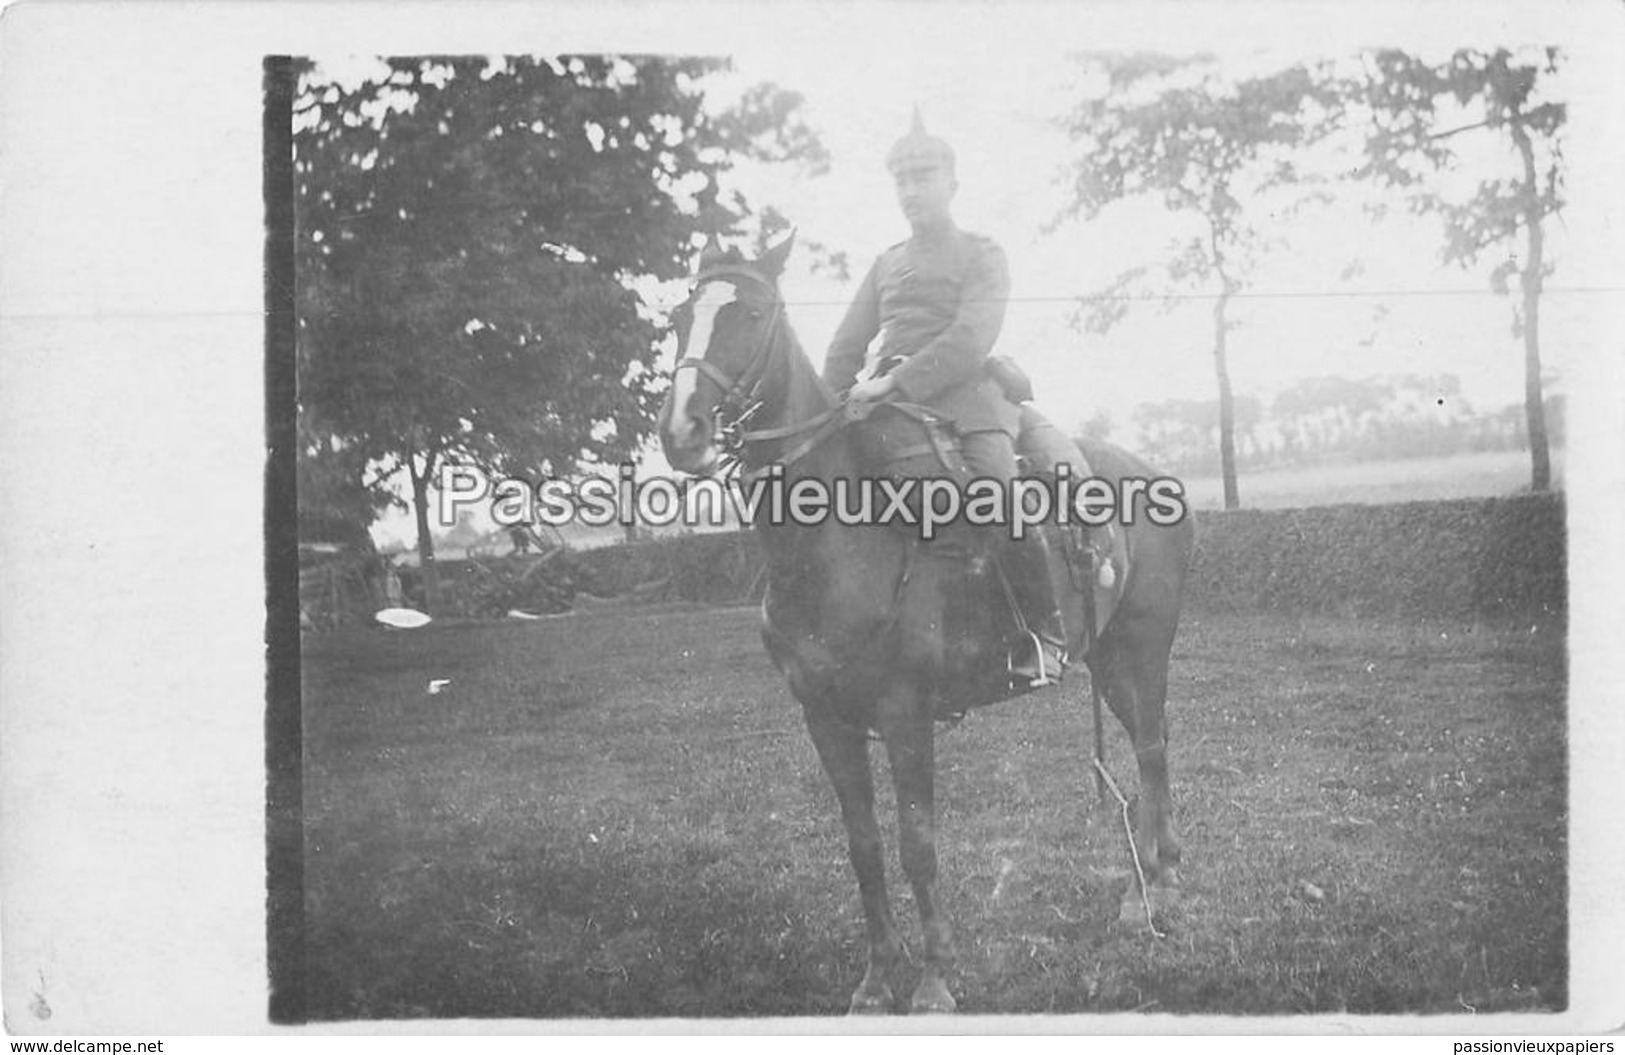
1302	320
994	86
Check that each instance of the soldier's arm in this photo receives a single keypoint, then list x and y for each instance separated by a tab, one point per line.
857	329
960	352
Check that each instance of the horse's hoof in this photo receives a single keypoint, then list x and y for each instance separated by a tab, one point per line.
932	1000
1134	910
1165	894
872	1002
1165	902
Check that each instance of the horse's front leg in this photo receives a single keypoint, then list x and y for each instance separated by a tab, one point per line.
906	725
844	751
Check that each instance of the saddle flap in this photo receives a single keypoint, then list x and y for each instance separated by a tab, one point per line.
1097	572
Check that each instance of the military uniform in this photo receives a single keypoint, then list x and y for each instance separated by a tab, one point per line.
937	304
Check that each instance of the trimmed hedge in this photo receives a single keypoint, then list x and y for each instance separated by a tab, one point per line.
1495	557
715	568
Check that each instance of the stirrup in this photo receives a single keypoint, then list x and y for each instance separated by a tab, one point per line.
1043	677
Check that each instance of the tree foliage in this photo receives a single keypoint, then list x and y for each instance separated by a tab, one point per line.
473	236
1194	138
1181	434
1419	110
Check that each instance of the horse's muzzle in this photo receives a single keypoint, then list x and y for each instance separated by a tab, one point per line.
687	442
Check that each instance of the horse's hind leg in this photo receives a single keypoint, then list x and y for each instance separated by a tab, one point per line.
906	726
1135	674
844	751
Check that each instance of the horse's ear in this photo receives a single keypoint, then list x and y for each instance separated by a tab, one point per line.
711	253
772	262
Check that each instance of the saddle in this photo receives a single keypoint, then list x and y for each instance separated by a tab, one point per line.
905	441
1088	566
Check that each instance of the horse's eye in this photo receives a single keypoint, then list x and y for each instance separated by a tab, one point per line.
754	314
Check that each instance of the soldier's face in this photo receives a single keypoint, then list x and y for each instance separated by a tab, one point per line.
925	194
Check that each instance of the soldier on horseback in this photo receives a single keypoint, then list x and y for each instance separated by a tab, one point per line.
937	302
875	636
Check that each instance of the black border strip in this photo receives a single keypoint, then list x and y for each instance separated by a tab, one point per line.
284	801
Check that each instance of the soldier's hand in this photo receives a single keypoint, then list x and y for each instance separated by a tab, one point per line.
872	389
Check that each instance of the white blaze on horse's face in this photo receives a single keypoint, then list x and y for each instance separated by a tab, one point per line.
712	298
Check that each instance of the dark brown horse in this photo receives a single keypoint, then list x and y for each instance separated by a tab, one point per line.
874	628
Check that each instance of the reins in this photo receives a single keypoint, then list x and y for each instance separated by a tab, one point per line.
741	396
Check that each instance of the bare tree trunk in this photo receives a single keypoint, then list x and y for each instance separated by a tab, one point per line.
420	508
1533	405
1227	407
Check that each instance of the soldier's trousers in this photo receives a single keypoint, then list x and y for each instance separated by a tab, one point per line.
1025	560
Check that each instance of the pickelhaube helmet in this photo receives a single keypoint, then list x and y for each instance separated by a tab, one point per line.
919	149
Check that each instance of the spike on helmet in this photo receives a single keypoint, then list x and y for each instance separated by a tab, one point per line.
919	149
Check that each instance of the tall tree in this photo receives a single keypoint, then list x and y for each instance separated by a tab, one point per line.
1213	149
472	238
1418	109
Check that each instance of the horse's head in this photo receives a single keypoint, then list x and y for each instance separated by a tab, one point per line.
724	331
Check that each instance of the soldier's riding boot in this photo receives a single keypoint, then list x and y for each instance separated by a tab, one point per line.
1041	656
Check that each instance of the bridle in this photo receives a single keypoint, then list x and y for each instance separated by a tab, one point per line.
742	396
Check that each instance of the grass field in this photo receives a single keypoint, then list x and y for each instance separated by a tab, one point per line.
1483	475
619	814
